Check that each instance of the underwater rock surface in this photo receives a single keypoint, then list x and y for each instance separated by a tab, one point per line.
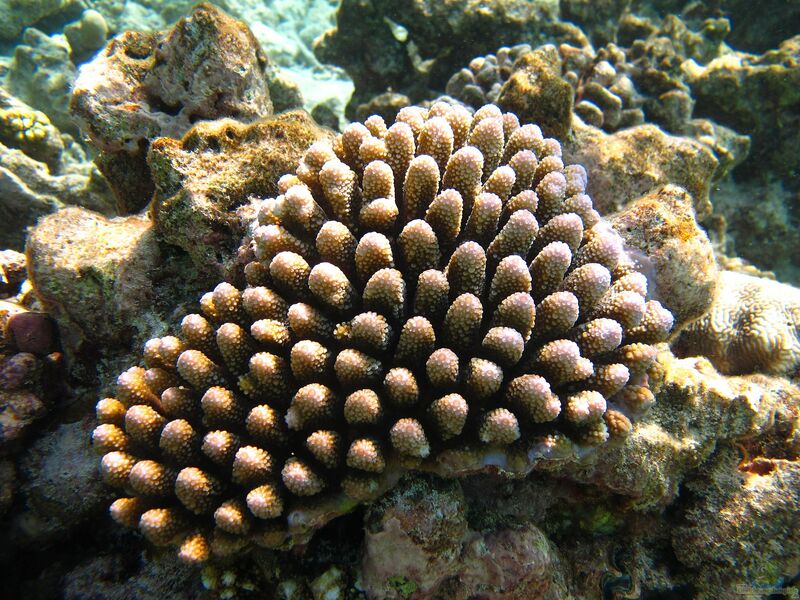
79	261
148	85
677	254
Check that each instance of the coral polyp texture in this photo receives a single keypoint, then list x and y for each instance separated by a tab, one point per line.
441	283
753	325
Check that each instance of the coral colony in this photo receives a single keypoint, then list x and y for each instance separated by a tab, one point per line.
442	282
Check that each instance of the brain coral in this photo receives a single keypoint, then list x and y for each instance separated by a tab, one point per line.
441	283
752	326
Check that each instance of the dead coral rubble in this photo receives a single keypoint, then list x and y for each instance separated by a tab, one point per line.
443	283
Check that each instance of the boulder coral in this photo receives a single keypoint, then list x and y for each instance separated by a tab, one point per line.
439	284
752	326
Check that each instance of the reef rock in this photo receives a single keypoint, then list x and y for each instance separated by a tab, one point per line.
60	486
42	74
511	563
16	16
19	410
752	327
41	168
761	224
741	526
149	85
661	225
93	274
729	147
30	191
119	576
414	537
629	163
13	272
216	168
730	90
8	485
418	545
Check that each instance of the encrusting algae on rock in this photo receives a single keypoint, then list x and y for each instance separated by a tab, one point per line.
440	284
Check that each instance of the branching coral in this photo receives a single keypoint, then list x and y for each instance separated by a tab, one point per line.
440	283
481	80
24	126
605	96
615	86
